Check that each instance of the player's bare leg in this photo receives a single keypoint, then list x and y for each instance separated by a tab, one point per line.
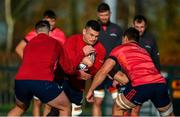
97	106
19	109
122	105
36	107
135	111
46	110
16	111
117	111
62	103
166	111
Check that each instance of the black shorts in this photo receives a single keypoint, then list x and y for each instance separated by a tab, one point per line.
105	84
157	93
75	95
44	90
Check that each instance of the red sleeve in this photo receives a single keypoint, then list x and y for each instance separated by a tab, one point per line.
65	62
114	52
100	55
58	34
118	55
75	54
30	35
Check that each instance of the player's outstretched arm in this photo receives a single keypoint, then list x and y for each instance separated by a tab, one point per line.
100	77
121	78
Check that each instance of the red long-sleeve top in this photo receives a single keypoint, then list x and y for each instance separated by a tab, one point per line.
74	47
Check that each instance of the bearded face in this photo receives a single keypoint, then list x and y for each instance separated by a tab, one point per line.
104	17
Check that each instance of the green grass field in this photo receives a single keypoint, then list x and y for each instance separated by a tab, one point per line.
6	107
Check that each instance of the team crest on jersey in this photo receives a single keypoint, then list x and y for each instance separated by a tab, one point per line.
113	34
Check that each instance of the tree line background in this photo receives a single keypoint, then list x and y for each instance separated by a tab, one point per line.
18	17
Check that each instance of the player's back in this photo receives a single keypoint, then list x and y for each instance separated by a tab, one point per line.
55	33
40	57
138	65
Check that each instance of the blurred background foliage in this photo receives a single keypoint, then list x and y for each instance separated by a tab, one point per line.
17	17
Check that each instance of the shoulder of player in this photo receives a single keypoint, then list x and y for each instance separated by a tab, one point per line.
117	28
75	37
147	40
115	25
123	47
56	43
52	39
30	34
57	30
99	46
148	35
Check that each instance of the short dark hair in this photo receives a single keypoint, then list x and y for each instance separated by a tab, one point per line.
132	34
140	18
42	24
103	7
50	14
93	24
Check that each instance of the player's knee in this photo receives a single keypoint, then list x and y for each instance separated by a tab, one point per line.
98	102
98	96
76	109
136	109
166	111
66	108
22	105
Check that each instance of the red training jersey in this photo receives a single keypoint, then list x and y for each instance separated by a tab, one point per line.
137	64
55	33
74	47
39	58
